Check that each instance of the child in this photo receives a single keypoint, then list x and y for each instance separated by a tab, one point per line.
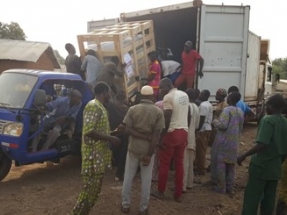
229	126
268	155
189	154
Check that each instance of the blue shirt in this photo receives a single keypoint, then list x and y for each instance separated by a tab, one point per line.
92	66
61	107
243	107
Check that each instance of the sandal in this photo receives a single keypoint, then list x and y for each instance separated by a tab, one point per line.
145	212
125	210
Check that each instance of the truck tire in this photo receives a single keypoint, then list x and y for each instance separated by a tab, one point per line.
5	165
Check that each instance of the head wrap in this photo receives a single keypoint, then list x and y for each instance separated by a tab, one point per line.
221	92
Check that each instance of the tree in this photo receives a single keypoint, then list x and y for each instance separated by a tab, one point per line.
60	59
11	31
280	67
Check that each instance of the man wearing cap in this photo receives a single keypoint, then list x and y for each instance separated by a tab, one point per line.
189	59
143	123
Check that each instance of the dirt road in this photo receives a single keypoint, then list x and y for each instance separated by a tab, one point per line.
40	189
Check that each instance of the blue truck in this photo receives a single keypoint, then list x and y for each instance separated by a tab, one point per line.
22	94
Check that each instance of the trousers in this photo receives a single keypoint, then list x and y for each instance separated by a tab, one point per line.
189	156
132	163
225	176
201	147
89	194
259	191
174	144
183	78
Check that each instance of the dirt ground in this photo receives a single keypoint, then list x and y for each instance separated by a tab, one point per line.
53	189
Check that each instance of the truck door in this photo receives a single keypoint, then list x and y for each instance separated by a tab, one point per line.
223	40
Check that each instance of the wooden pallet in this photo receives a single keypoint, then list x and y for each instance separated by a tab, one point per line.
141	27
119	34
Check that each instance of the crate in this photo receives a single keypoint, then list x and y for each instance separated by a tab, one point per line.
134	38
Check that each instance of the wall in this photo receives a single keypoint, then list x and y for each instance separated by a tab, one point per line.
43	63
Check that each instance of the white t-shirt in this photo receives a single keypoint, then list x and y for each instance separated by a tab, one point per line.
206	109
169	67
194	123
178	102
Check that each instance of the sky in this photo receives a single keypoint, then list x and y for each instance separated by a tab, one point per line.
60	21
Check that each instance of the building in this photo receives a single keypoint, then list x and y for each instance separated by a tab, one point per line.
27	55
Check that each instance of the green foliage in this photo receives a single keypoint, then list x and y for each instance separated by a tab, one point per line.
60	59
11	31
280	67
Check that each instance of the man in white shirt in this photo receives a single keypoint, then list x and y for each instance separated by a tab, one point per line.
189	154
176	109
204	131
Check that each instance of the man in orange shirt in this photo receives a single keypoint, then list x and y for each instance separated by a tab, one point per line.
154	74
189	59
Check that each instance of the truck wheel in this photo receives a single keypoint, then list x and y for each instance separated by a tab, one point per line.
5	165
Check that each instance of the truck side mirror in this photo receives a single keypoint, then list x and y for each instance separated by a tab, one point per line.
40	98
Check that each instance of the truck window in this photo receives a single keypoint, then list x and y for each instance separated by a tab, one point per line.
15	88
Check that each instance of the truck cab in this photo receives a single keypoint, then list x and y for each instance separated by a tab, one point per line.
22	94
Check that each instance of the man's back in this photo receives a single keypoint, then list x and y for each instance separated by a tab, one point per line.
241	104
73	64
169	67
189	62
92	66
144	118
178	102
108	72
206	110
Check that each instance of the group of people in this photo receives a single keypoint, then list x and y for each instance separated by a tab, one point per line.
177	129
92	70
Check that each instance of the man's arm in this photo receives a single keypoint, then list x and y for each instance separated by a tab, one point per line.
150	77
189	116
90	128
201	122
256	149
264	136
50	106
84	65
167	106
222	122
100	136
154	141
201	64
167	117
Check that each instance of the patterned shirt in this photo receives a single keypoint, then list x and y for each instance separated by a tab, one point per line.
96	156
229	126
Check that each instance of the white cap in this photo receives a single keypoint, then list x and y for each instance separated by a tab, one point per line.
147	91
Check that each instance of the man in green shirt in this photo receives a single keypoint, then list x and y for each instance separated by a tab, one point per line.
267	157
96	156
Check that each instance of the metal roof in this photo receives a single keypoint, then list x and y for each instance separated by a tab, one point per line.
44	73
21	50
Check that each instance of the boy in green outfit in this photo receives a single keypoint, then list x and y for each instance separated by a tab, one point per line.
267	157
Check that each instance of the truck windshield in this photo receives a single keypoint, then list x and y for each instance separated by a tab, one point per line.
15	89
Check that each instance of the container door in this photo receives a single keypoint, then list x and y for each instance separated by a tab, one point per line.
253	82
223	45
